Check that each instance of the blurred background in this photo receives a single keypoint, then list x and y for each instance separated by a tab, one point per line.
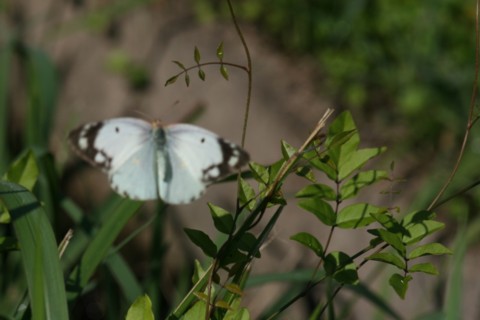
404	69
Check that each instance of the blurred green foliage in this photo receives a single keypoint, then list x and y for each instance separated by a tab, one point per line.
405	62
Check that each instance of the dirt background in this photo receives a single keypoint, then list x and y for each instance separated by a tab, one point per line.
287	101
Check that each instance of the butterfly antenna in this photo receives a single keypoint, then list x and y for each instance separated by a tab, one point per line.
144	115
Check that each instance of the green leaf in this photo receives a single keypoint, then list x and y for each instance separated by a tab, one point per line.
237	314
246	242
234	288
187	79
321	209
356	215
198	271
417	217
6	55
222	219
319	190
141	309
351	187
220	51
427	268
325	165
428	250
306	172
418	231
203	241
196	312
388	222
224	72
39	252
274	169
179	64
196	55
201	74
389	258
394	240
24	171
356	159
259	172
124	275
246	194
342	138
400	284
171	80
309	241
117	214
340	266
287	150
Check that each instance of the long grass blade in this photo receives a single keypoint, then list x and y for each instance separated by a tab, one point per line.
102	241
5	61
39	252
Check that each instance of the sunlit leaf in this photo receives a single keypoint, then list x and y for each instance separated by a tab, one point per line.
222	219
309	241
418	231
141	309
319	190
352	186
196	312
321	209
400	284
287	150
394	240
389	258
259	172
24	171
356	159
428	250
234	288
246	194
427	268
356	215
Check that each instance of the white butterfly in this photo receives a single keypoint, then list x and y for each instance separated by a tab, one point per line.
145	161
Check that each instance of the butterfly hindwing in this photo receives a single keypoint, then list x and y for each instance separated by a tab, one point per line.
195	157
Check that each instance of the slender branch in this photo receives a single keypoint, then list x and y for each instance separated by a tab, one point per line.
470	120
249	71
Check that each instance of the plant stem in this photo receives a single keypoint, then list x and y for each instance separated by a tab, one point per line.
470	121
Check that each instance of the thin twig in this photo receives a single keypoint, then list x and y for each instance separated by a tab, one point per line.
470	120
249	71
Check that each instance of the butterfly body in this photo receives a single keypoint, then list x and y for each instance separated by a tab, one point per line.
147	161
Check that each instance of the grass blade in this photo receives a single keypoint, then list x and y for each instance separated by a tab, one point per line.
5	62
101	243
38	250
